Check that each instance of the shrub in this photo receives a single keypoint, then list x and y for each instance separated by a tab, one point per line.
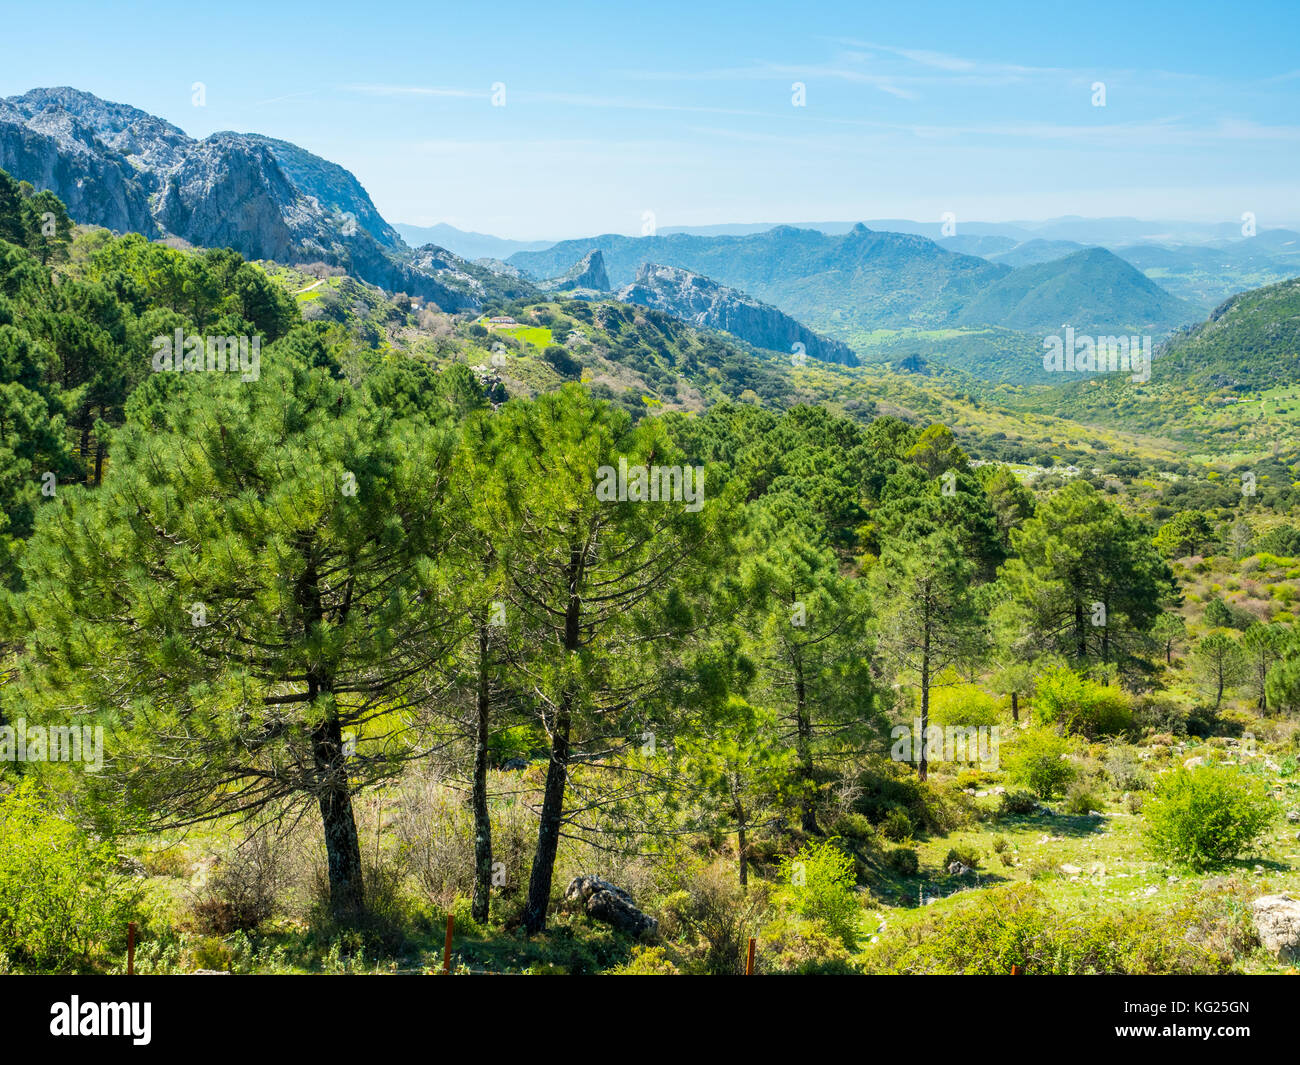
963	853
562	362
1161	714
1016	925
1206	816
717	918
1000	844
646	961
857	828
803	948
1080	705
1081	799
977	778
242	890
1019	802
822	881
897	826
62	901
963	704
904	861
1125	769
1038	762
885	786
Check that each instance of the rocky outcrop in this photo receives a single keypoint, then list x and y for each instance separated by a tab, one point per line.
602	901
703	302
1277	920
587	275
119	167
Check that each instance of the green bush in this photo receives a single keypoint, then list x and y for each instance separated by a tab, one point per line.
1081	799
1080	705
63	905
897	826
1038	762
804	948
714	918
821	887
1206	816
885	785
1019	802
562	362
1016	925
1125	768
963	704
646	961
904	861
963	853
855	827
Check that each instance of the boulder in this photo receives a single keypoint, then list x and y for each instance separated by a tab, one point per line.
602	901
1277	920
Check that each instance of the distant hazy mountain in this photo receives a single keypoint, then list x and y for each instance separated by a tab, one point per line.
865	280
119	167
1029	252
839	284
703	302
1091	290
467	245
1209	274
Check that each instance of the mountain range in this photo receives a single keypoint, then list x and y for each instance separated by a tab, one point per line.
122	168
979	299
865	280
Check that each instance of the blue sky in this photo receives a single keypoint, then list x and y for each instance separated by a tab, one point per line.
686	109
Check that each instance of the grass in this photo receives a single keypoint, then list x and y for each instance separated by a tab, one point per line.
1110	867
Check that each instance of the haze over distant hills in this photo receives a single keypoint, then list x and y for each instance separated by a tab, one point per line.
468	245
866	280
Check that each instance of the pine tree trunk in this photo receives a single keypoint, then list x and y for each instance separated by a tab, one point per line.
803	745
741	842
83	447
482	822
557	772
342	846
548	832
923	766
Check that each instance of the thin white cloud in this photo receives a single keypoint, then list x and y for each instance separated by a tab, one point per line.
414	90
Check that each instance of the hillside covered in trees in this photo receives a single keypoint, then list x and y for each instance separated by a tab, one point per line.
617	639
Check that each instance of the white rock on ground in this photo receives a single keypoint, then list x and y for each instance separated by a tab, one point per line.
1277	920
